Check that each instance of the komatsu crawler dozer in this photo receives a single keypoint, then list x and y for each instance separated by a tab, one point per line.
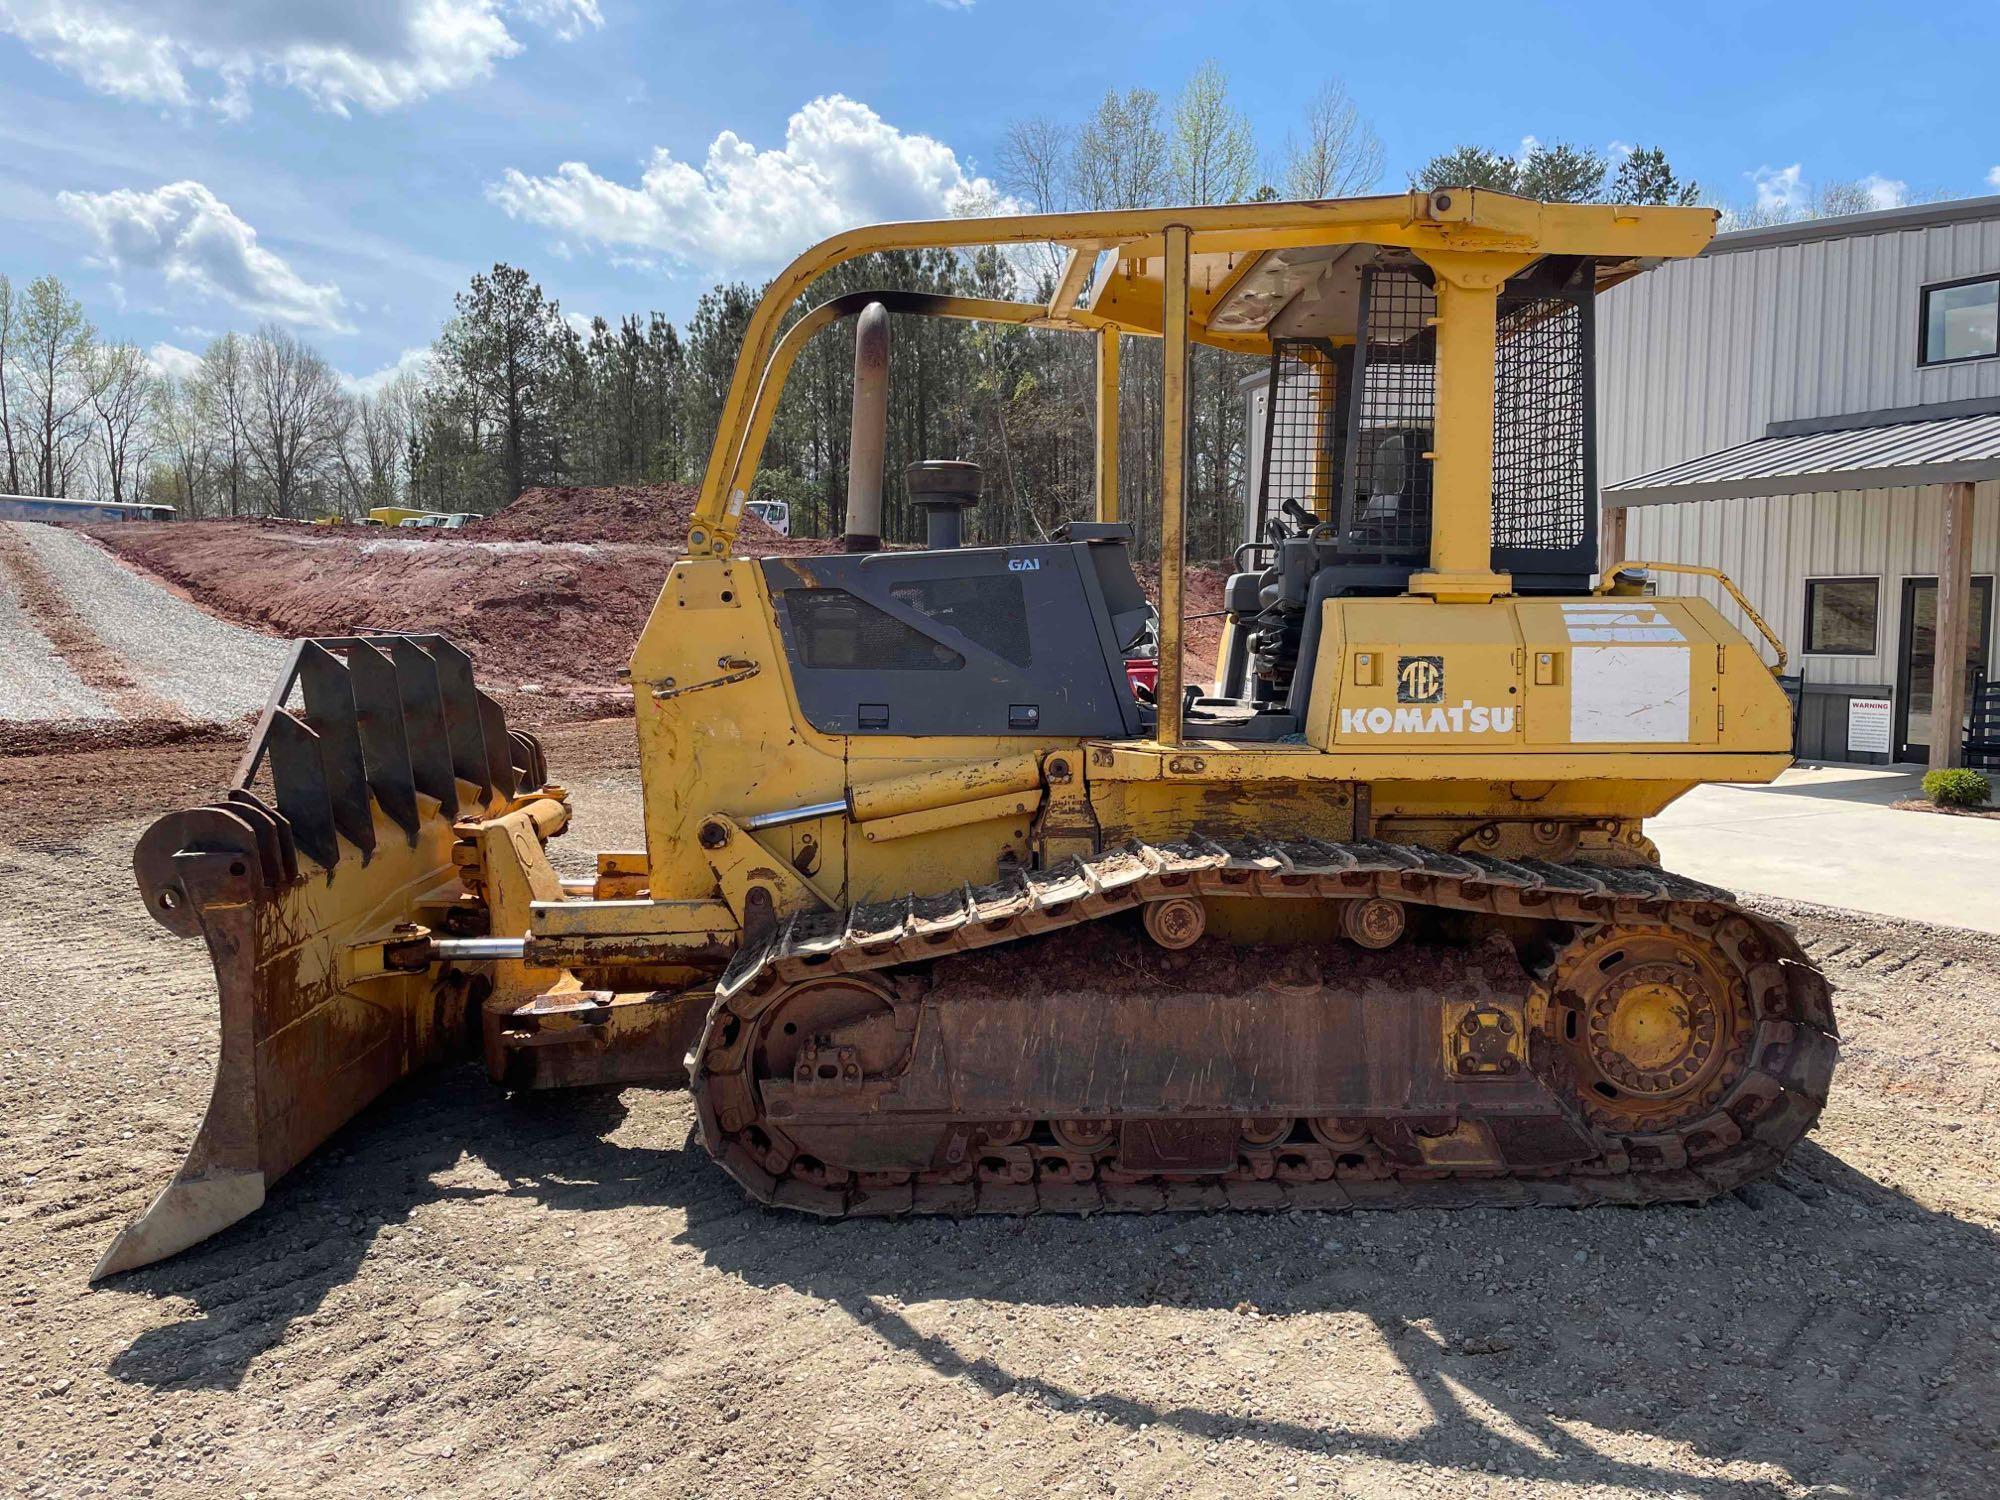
940	913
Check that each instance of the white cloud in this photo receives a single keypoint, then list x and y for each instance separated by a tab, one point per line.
171	359
415	361
566	18
1993	177
1529	146
376	55
745	208
1779	189
1621	149
1884	192
196	241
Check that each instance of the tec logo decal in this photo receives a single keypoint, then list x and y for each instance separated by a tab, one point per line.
1420	679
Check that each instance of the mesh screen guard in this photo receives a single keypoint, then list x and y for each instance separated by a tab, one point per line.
1346	429
1544	426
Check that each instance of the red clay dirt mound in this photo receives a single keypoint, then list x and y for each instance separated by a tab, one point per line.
648	514
656	514
547	625
1202	591
548	596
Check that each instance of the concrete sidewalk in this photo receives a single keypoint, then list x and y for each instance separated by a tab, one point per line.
1828	834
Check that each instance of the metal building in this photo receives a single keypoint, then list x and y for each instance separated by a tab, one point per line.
1815	409
81	512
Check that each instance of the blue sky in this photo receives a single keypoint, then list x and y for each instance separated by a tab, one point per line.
343	166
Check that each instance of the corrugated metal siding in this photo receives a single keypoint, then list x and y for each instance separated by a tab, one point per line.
1700	355
1771	546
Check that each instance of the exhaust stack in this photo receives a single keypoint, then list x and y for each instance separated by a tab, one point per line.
868	433
944	489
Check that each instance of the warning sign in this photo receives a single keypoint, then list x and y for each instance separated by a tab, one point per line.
1868	721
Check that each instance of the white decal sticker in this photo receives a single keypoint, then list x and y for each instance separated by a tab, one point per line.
1629	694
1634	633
1619	620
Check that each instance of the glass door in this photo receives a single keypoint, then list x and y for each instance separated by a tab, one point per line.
1919	657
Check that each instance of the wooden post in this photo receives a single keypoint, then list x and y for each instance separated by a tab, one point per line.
1107	424
1611	540
1954	619
1173	475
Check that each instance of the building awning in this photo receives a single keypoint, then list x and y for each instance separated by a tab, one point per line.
1957	449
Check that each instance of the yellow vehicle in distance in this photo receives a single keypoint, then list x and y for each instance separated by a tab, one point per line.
395	515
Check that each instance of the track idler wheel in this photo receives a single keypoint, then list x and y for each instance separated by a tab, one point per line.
1657	1021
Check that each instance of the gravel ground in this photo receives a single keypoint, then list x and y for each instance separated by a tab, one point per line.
200	666
467	1294
37	682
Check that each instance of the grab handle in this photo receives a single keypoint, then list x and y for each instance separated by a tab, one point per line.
1611	580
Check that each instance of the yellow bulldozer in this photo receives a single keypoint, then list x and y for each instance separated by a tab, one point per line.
940	911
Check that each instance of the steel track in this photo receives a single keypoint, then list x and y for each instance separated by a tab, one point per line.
1769	1103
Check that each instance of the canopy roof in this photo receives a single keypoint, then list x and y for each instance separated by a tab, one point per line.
1939	451
1250	263
1242	288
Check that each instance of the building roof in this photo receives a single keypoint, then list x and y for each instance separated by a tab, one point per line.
1859	458
1841	226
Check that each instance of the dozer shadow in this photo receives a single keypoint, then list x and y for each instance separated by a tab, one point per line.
1738	1348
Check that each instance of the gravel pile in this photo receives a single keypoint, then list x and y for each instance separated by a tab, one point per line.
37	682
206	668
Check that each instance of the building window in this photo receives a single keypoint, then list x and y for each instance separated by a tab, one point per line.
1840	616
1961	320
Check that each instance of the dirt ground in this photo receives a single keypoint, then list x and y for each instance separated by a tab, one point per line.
470	1295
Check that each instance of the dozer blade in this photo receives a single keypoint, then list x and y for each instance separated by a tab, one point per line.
390	744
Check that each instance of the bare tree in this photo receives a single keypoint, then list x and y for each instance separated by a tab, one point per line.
1799	201
1213	155
1037	163
1832	199
1339	156
1120	159
6	362
374	457
296	417
122	400
58	366
222	394
184	430
1035	160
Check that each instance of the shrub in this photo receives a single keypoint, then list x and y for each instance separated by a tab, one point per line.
1957	788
